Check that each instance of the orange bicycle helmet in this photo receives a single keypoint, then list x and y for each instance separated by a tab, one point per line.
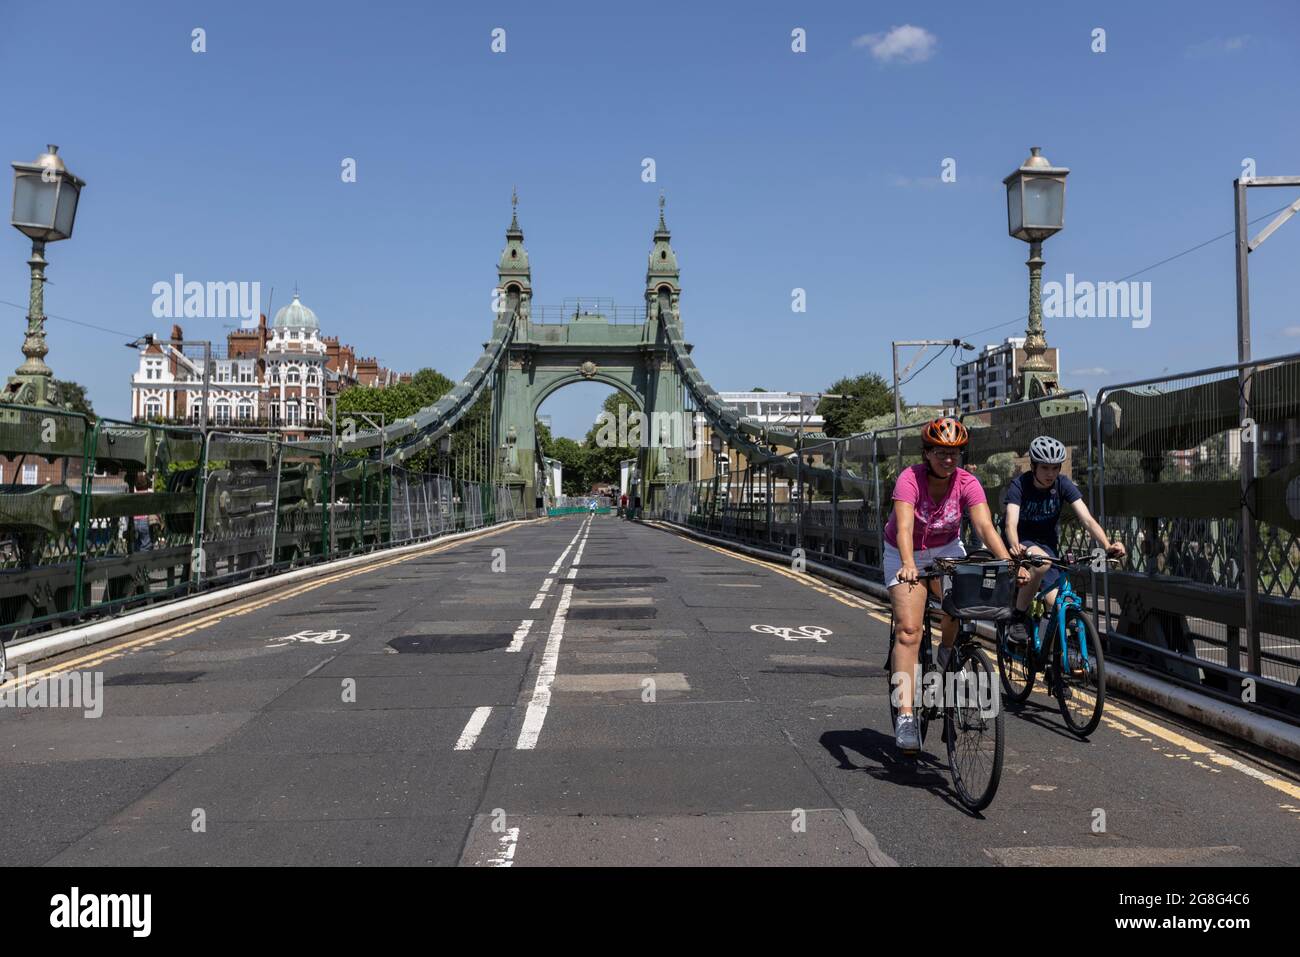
945	433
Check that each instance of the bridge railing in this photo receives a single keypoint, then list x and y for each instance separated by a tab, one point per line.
45	484
99	517
1160	465
1200	478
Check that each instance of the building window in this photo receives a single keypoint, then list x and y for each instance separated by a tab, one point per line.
245	373
223	413
291	376
153	409
29	474
245	412
291	413
275	414
309	412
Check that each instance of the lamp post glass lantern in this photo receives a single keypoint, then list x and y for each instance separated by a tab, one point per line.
1036	198
1035	212
44	210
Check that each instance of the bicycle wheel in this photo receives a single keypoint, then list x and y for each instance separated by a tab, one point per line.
974	726
1015	666
1080	690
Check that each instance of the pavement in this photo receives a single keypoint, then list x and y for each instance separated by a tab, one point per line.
578	691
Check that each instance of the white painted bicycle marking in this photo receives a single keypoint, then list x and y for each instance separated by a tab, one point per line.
331	637
795	633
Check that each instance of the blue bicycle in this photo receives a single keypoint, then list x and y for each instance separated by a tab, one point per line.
1067	652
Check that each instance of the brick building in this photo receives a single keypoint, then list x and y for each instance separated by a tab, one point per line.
275	377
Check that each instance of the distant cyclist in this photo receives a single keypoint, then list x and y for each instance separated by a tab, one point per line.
929	501
1035	501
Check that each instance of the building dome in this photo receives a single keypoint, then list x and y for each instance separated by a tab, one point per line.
296	316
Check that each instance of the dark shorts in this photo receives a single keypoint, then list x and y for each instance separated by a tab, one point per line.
1053	574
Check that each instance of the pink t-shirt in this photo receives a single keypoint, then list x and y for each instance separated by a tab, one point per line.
934	523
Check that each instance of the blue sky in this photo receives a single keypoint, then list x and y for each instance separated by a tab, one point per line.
817	170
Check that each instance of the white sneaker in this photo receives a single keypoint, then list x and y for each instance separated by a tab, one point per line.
907	734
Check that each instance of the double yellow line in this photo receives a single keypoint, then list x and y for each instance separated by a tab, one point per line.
816	584
1113	716
191	625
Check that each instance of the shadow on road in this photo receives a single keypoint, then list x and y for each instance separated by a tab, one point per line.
884	763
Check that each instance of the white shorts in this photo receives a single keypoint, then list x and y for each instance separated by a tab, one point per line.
921	558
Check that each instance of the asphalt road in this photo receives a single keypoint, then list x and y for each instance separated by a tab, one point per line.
406	714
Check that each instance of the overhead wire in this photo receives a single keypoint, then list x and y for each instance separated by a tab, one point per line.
1168	259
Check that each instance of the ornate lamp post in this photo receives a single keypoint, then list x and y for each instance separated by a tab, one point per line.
1035	211
44	209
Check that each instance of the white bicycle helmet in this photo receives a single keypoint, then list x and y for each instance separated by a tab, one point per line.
1046	450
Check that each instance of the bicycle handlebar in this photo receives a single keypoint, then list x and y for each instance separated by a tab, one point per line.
1038	561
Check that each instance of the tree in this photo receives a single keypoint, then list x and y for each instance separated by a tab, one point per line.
872	396
545	440
574	459
405	399
602	462
74	396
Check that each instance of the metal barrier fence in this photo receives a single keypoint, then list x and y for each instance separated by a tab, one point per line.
1200	478
100	517
1198	475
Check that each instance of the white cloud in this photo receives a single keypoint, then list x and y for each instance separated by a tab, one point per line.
906	43
1219	46
1291	331
1095	370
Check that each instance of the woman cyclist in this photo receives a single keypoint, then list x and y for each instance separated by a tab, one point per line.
929	500
1035	501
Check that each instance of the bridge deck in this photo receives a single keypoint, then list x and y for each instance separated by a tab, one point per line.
220	715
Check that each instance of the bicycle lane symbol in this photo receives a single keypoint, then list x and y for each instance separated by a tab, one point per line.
809	632
331	637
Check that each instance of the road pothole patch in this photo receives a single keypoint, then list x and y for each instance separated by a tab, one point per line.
450	644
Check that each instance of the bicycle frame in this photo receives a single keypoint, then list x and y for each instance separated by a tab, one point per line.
1066	597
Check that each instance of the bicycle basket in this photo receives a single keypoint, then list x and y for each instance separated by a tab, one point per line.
984	592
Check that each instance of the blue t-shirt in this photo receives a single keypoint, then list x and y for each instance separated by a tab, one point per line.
1040	508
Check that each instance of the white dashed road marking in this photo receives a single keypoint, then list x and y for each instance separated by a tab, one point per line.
473	728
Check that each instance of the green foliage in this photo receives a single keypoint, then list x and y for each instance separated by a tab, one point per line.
74	396
602	463
574	459
544	438
586	463
405	399
872	397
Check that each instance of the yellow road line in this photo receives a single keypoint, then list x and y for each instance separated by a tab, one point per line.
1109	717
241	608
843	597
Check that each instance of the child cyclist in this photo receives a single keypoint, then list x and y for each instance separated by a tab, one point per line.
929	501
1034	503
